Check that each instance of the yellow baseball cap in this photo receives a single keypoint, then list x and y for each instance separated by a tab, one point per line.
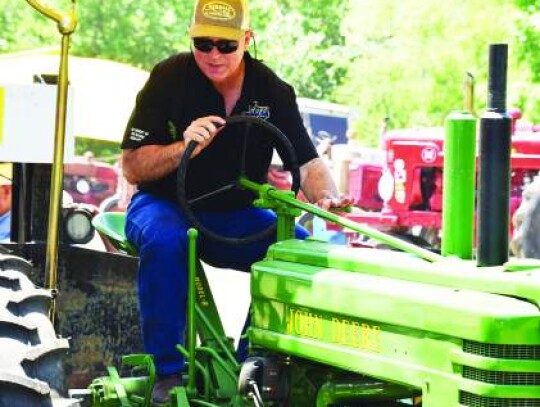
6	173
226	19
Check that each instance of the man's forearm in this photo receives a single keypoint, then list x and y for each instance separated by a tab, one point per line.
152	162
317	182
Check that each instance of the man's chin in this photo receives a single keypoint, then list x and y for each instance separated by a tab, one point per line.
216	74
217	78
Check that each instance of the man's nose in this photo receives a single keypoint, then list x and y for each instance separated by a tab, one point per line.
214	53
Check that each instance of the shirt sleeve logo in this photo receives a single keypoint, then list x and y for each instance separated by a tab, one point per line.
254	110
137	134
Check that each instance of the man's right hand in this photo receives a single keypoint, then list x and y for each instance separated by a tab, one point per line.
202	131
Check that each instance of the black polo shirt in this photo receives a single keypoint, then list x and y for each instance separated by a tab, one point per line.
177	93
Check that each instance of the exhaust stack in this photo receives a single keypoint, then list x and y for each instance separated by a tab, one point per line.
494	177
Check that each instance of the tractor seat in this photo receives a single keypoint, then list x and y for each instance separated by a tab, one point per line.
110	225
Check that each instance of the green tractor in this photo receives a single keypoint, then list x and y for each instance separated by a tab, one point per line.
330	325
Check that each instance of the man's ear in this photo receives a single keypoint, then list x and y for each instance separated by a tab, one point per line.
249	35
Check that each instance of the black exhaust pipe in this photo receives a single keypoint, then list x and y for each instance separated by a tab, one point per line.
494	181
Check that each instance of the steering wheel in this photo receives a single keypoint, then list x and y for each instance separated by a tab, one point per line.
248	122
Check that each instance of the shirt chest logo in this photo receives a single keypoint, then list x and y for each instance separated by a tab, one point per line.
255	110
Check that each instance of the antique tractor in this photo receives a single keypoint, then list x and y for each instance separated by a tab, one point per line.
330	325
404	195
90	181
334	325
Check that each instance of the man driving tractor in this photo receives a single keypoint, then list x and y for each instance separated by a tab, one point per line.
187	98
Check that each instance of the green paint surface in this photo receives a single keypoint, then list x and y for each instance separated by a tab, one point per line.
459	185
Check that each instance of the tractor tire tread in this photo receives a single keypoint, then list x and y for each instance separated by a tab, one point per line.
31	372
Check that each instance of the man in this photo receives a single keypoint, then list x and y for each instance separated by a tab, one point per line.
186	99
5	202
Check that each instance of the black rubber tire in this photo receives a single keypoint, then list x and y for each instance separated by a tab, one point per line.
526	220
31	370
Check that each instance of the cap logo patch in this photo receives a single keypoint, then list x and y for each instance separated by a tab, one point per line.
218	10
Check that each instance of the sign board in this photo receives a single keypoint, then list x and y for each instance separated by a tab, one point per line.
323	119
27	124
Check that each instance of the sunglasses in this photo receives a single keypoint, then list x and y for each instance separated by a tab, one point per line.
223	46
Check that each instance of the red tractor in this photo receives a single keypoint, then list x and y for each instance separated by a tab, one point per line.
407	197
90	181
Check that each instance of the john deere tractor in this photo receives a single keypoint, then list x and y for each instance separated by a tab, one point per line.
330	325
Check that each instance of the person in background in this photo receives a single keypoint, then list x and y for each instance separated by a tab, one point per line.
187	98
5	201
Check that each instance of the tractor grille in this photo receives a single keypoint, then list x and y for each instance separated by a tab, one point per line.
514	352
506	378
519	352
472	400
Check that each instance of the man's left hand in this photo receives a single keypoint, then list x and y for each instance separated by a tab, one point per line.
331	202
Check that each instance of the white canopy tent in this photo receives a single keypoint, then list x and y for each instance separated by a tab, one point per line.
103	91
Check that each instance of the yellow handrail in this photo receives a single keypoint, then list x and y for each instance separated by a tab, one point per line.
66	22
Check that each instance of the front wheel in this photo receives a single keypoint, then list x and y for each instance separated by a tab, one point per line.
31	371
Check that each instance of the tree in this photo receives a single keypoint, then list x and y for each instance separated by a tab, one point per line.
23	28
403	60
528	31
307	51
137	32
410	58
302	42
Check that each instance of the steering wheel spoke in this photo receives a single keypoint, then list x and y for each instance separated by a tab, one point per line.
212	193
243	151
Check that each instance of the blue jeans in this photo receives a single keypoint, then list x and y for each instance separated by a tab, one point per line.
159	230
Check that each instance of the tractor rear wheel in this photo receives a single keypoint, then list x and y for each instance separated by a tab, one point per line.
526	221
31	372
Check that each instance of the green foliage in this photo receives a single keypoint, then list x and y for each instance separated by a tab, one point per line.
23	28
106	151
410	58
404	60
528	31
302	42
137	32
